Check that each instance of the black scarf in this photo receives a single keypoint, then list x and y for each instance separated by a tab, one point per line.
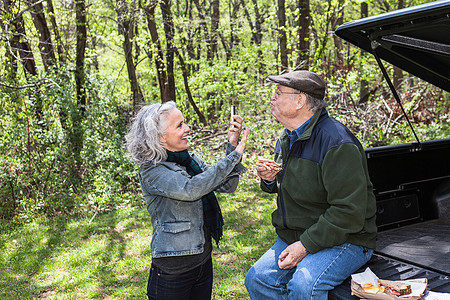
212	215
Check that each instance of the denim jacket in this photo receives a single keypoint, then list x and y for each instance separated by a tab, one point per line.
173	199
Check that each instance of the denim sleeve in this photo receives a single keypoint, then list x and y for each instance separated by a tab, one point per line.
232	180
239	169
229	186
162	181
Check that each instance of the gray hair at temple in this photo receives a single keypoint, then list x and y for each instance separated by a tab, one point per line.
314	104
143	138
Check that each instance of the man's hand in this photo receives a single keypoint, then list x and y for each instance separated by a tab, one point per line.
291	256
235	129
267	169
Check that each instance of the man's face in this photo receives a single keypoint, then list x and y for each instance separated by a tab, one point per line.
283	103
176	131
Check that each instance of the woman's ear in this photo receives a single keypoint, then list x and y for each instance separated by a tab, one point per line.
162	139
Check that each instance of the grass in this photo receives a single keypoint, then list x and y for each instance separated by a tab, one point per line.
109	258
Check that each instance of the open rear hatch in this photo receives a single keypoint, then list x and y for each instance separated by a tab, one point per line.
415	39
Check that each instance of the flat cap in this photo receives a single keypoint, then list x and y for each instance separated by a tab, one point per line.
304	81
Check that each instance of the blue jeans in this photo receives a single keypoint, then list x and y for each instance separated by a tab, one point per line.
191	285
313	277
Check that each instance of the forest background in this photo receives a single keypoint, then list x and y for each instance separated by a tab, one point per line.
73	73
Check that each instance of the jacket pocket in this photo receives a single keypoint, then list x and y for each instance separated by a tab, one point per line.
176	227
178	238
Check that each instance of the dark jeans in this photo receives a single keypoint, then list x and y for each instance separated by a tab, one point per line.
193	285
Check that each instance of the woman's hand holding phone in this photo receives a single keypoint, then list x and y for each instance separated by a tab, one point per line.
235	127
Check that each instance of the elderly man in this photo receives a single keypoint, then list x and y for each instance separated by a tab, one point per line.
325	216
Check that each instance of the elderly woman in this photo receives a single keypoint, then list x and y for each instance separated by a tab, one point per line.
178	188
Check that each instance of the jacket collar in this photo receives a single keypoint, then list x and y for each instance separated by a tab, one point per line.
318	115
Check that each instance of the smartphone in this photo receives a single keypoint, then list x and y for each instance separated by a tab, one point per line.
232	112
233	109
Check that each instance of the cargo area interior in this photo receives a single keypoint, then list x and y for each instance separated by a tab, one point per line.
413	203
421	244
412	187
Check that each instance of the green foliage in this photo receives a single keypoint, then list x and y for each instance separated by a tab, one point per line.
60	158
64	166
108	255
38	166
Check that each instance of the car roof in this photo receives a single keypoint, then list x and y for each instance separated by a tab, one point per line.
415	39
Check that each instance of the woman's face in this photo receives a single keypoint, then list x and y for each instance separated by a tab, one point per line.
176	131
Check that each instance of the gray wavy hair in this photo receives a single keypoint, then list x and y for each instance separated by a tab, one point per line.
314	104
143	138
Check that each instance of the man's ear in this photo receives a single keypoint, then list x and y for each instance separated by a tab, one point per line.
301	101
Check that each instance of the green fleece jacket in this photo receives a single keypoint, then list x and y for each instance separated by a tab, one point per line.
325	196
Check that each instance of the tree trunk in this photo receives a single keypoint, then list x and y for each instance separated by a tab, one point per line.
10	46
200	115
204	25
80	8
125	23
76	132
398	73
227	46
256	30
45	40
159	57
304	21
338	19
59	44
169	32
18	41
233	7
215	18
281	13
259	20
322	41
192	32
250	22
190	49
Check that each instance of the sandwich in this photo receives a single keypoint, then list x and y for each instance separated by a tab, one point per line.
395	288
268	164
388	287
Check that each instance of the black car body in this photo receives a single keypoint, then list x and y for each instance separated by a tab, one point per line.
411	181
